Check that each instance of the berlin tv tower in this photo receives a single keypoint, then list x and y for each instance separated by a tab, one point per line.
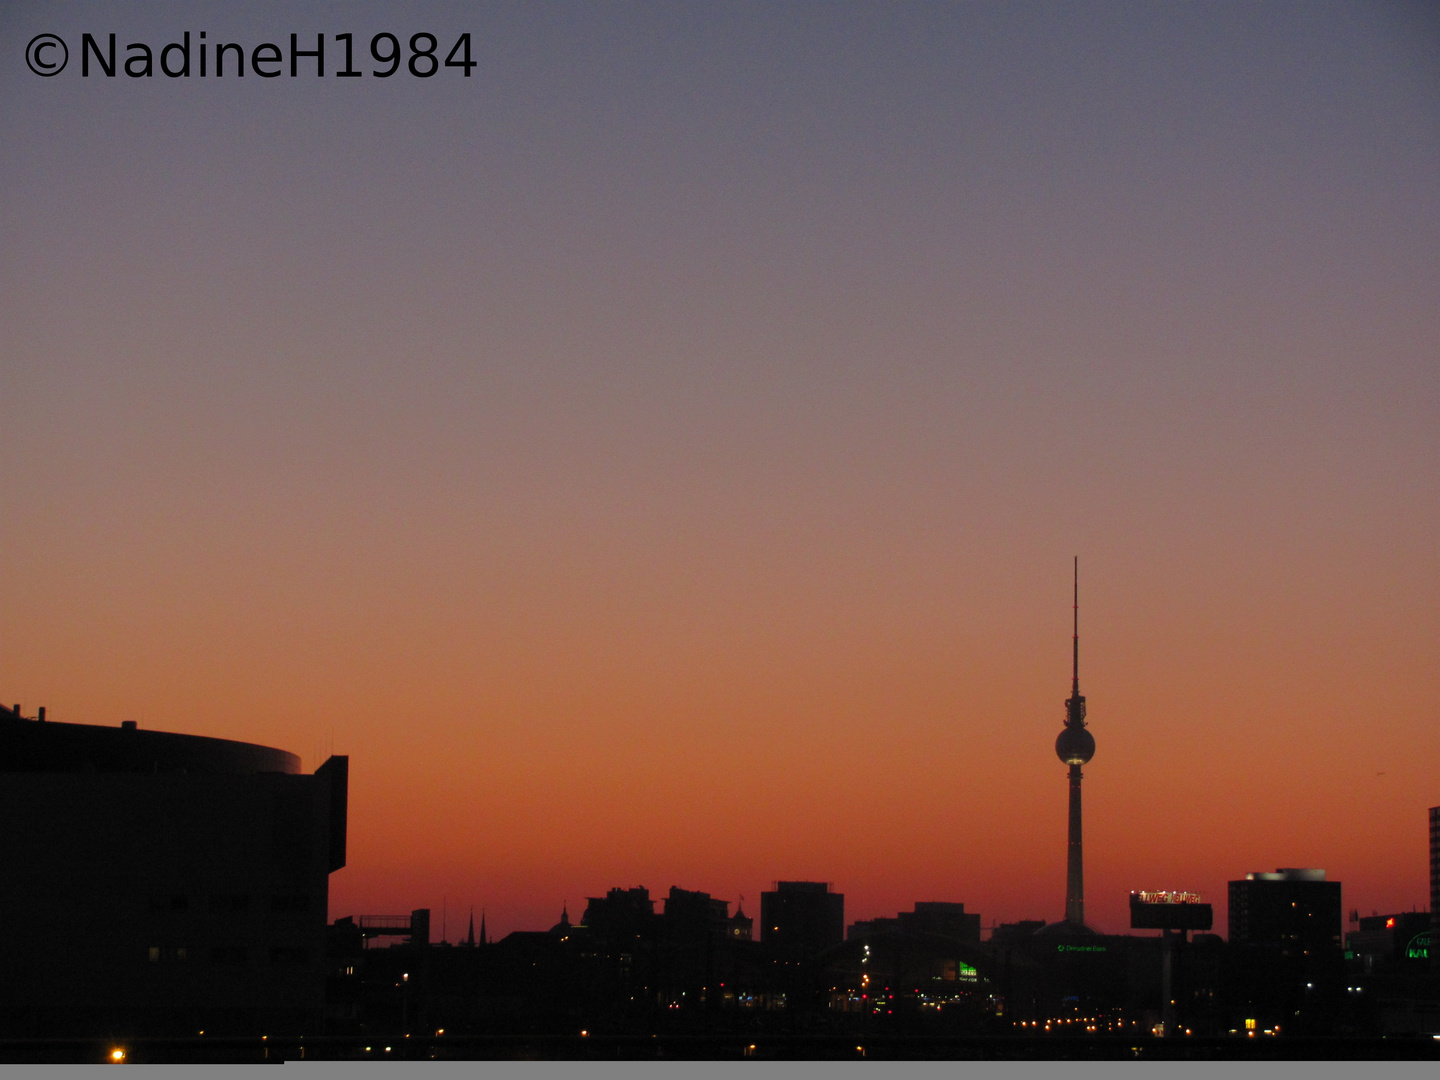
1075	746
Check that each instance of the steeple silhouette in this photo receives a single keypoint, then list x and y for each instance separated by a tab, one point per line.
470	937
563	927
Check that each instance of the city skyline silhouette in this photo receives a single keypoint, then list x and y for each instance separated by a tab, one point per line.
1075	746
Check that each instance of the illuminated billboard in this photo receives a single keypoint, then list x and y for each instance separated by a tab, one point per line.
1169	910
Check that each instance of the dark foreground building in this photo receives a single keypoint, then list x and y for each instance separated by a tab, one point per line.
1294	911
157	883
1287	955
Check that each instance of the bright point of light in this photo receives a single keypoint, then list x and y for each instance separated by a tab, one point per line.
117	1054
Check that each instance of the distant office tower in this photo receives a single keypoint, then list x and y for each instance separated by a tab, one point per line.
929	917
942	917
1435	867
1293	910
863	928
694	916
162	883
621	917
1075	746
802	917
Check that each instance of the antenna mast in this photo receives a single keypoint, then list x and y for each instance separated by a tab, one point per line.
1075	641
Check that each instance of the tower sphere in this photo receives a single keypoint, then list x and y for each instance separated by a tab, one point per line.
1075	746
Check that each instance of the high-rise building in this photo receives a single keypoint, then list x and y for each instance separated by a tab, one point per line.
159	882
802	918
1293	910
691	916
1435	867
1075	746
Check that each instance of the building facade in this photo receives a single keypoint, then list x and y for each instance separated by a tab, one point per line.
1295	911
162	883
801	918
1435	867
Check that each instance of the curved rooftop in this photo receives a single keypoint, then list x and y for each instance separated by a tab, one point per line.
1065	928
31	746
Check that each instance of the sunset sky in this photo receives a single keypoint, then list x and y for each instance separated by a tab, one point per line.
658	458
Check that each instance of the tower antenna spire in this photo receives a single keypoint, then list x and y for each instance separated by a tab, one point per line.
1075	641
1075	747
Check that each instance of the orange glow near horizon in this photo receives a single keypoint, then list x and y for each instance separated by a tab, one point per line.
899	766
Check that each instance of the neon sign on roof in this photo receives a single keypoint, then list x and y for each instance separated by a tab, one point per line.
1168	897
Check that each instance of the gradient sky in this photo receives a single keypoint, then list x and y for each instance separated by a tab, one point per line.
658	458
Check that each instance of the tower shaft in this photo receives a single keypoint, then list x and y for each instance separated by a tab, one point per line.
1075	857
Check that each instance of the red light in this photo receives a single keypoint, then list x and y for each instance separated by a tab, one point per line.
1390	923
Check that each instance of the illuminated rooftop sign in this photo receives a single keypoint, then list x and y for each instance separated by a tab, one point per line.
1169	910
1167	897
